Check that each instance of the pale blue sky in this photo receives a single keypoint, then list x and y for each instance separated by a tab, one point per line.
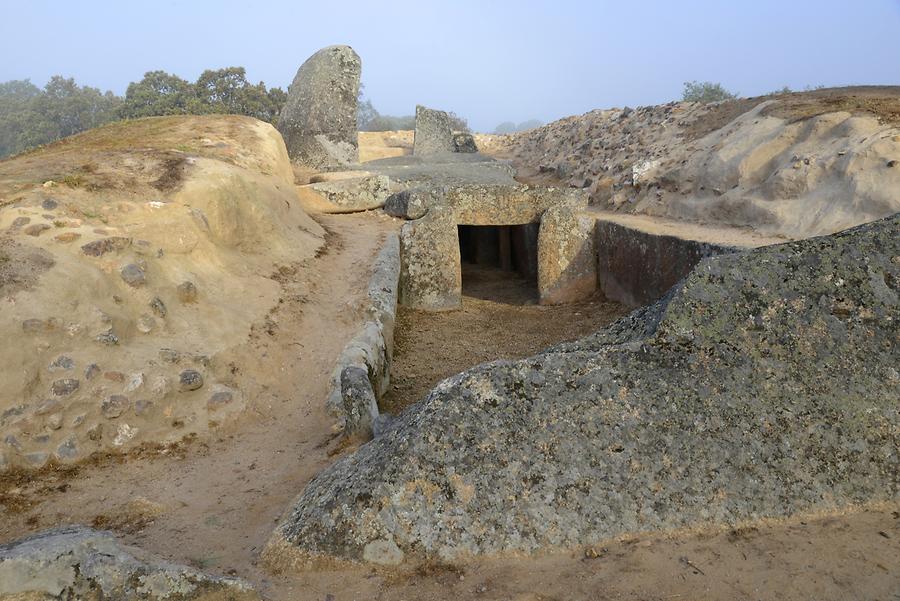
489	61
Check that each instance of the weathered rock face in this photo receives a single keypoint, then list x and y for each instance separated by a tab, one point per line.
636	268
764	384
318	120
80	563
430	276
349	195
433	135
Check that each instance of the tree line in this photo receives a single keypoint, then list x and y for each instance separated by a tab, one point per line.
31	116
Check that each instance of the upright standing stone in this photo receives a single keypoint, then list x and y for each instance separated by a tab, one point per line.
434	135
318	121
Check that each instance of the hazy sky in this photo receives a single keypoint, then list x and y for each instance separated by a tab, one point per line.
488	60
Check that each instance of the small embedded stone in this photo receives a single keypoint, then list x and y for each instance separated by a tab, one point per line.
91	371
169	355
34	326
48	406
64	387
190	379
158	307
49	204
37	229
68	449
19	222
62	363
114	405
95	432
146	324
219	399
67	237
37	459
98	248
142	406
54	422
187	292
107	338
114	376
133	275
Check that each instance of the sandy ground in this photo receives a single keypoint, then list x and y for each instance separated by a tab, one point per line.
499	319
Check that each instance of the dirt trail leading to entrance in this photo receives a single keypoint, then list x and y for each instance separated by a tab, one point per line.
499	319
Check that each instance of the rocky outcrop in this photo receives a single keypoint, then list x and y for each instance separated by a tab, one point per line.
80	563
318	121
433	136
764	384
347	195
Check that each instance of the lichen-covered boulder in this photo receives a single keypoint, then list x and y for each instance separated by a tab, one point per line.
764	384
318	121
81	563
433	135
430	276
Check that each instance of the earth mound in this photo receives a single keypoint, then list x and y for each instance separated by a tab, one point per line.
794	165
133	259
764	384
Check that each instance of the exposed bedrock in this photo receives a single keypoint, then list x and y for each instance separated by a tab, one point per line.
318	120
764	384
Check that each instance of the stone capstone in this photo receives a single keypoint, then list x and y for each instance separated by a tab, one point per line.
318	121
81	563
433	135
763	385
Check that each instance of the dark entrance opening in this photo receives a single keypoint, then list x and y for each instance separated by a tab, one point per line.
499	262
